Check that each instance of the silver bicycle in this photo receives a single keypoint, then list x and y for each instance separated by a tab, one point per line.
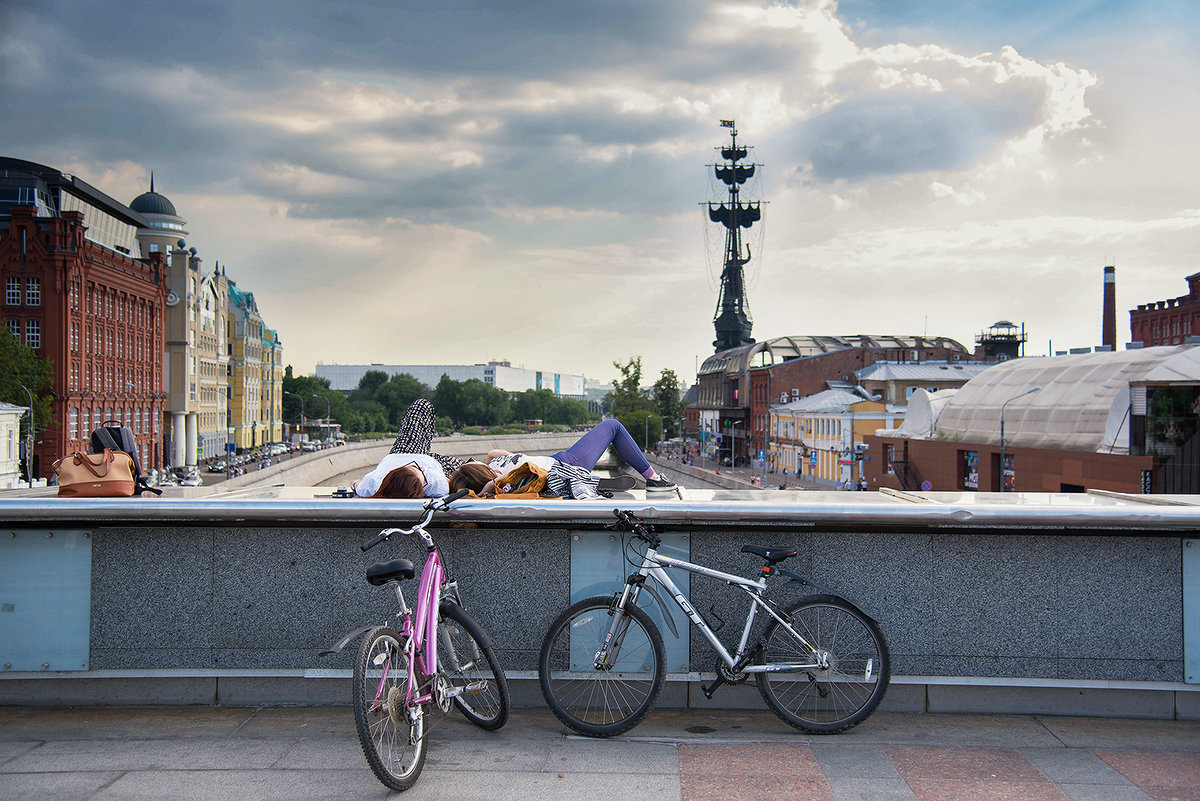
822	665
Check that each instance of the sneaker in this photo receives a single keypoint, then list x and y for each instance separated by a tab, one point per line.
617	483
660	484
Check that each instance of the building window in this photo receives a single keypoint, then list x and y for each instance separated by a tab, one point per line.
33	291
33	334
12	296
14	328
74	424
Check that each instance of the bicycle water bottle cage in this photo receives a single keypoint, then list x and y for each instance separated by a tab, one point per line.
381	573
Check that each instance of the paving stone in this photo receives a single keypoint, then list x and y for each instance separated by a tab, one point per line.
847	789
1163	777
751	772
53	786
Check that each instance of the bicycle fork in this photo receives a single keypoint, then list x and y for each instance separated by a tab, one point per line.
610	650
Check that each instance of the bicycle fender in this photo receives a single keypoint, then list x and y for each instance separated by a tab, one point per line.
796	578
480	633
344	641
661	605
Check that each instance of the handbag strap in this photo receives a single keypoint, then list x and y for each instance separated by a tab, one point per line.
81	458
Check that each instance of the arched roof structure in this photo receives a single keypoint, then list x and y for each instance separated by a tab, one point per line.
1082	404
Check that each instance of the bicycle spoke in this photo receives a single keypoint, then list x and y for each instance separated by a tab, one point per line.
601	703
392	737
834	698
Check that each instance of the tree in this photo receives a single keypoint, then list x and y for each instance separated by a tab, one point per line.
298	398
533	404
667	402
446	398
20	367
627	396
398	394
632	407
371	381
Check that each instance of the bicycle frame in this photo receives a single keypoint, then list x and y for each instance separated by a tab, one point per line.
653	566
423	638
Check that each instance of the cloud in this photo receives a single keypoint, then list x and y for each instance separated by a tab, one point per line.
449	165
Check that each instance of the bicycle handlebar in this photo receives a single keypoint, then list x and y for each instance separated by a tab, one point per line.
430	506
630	522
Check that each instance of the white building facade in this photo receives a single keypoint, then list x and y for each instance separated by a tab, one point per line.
502	375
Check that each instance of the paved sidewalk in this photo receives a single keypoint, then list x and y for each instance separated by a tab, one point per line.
302	753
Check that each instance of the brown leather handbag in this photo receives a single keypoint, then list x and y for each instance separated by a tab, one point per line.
526	481
95	475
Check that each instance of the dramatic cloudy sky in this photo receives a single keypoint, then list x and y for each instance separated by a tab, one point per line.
463	180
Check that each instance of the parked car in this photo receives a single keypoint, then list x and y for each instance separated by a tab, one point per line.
218	466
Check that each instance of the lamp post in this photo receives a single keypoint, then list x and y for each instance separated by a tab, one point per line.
28	434
322	397
1010	400
301	399
733	445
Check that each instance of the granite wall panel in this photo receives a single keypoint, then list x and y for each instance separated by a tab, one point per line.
952	604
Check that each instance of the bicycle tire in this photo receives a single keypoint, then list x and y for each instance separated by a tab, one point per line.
601	703
393	746
466	659
837	698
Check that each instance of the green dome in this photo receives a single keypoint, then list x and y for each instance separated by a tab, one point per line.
153	203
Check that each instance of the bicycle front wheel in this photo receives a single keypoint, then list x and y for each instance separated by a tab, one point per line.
835	698
391	732
601	702
466	659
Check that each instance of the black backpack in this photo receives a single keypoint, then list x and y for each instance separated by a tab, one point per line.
116	437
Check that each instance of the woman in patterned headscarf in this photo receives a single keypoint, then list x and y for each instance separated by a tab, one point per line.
411	469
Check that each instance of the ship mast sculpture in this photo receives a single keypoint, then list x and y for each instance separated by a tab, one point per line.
733	321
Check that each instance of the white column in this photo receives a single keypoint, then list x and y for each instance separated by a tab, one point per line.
178	438
192	429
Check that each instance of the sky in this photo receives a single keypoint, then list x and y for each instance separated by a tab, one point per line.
465	181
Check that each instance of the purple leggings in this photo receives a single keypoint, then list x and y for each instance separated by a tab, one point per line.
592	445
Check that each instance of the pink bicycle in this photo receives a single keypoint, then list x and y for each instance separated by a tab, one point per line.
434	658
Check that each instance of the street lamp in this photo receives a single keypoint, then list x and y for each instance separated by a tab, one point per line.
301	399
733	444
1010	400
28	434
322	397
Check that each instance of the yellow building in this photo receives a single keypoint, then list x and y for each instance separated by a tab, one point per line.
255	375
820	437
272	384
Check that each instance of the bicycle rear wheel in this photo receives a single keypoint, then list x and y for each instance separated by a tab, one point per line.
392	735
833	699
601	703
466	659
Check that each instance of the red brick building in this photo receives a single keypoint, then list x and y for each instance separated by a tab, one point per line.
737	386
77	291
944	466
1124	421
1168	322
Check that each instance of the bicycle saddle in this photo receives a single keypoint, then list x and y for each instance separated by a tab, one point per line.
772	555
383	572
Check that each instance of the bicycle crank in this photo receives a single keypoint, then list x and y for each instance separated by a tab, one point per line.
728	675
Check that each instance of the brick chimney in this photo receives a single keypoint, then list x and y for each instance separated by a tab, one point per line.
1109	317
